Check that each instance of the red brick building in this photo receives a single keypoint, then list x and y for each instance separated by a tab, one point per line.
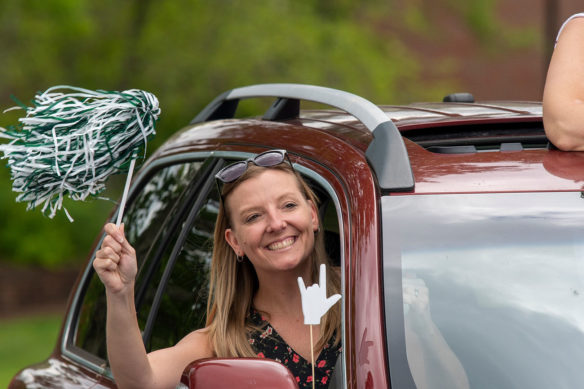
508	61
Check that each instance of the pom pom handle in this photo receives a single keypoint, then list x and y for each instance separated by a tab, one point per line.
125	194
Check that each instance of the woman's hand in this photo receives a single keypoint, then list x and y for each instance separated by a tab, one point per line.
115	261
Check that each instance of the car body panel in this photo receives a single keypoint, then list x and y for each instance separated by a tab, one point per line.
528	170
59	372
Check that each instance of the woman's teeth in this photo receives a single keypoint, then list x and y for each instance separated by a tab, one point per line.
281	244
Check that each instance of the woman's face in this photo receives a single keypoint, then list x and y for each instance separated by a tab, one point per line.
272	223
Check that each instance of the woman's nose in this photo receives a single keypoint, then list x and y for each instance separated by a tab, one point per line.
275	222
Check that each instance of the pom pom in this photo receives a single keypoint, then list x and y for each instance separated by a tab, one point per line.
73	139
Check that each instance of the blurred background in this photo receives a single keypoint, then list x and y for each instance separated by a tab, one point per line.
187	52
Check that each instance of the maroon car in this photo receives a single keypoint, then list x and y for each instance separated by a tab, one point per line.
457	226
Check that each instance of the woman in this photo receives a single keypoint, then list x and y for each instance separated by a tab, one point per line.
266	236
563	97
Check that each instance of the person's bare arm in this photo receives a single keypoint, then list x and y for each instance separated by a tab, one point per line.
563	98
132	367
429	355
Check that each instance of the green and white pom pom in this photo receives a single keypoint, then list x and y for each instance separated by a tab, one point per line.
73	139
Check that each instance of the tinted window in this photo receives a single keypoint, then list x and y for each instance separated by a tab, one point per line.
502	276
183	303
146	220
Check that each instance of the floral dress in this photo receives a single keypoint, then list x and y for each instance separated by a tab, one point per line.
268	344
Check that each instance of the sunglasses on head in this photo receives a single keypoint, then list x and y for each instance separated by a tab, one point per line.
268	158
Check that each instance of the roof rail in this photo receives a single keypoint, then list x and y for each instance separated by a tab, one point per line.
387	154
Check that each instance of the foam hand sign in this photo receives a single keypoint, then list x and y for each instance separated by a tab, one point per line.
314	301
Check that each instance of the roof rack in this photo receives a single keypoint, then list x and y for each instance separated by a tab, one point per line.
386	154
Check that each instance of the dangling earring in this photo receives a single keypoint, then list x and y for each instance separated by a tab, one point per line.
239	258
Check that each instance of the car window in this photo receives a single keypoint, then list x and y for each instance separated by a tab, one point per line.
493	282
183	303
183	296
171	223
146	220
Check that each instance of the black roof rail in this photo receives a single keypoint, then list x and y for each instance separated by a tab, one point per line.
387	154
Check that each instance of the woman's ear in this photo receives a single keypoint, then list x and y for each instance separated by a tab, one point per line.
314	216
232	241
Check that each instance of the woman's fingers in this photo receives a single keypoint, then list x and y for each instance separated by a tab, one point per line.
108	253
103	264
117	240
116	233
115	261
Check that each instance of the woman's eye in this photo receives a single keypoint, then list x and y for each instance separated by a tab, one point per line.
290	205
251	218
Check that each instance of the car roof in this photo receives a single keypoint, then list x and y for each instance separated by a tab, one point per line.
494	146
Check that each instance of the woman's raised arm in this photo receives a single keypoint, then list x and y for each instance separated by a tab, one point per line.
132	367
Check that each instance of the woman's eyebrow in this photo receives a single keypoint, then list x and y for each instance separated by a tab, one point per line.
288	195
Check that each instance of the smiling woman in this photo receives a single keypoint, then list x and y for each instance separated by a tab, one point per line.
267	234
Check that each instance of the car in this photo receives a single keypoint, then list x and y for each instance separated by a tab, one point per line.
456	225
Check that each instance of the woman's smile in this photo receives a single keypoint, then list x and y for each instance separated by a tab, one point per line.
282	244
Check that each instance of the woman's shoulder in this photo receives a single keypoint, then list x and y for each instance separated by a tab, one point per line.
575	16
199	342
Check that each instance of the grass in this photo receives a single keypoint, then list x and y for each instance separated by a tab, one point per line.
25	341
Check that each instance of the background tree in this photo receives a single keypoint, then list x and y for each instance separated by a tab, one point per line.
188	51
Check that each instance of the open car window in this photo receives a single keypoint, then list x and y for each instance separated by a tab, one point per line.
148	218
170	221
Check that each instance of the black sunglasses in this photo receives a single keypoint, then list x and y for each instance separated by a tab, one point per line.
268	158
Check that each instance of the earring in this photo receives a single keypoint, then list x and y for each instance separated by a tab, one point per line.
239	258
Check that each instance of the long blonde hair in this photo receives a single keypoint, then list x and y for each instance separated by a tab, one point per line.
233	283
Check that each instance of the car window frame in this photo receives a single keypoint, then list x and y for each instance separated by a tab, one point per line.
89	361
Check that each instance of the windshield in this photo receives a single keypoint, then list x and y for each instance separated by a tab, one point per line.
485	290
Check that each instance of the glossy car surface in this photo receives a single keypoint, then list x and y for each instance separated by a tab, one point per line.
483	219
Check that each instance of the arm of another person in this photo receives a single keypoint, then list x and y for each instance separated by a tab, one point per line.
132	367
429	355
563	97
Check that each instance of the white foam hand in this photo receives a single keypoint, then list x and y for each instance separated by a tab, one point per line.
314	301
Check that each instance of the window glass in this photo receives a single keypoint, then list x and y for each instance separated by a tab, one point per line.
184	302
146	220
492	286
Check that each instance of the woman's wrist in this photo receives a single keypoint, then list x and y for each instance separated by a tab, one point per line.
124	296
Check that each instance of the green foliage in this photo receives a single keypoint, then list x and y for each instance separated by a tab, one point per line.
26	341
28	237
187	52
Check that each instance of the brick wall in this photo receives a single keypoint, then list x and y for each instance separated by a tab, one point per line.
492	70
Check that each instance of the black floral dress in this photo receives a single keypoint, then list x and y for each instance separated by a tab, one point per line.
268	344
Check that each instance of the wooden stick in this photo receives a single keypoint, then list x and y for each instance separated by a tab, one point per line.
312	357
